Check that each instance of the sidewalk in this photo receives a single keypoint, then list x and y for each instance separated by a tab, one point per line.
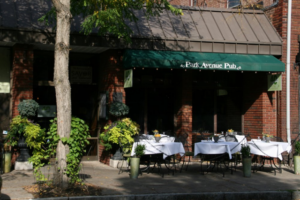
187	182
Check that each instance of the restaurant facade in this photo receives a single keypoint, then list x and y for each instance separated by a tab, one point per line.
208	70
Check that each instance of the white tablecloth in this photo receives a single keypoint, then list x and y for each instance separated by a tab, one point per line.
167	149
271	149
164	138
241	138
217	148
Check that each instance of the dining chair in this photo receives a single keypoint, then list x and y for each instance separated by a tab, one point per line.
271	159
213	161
230	138
126	154
188	149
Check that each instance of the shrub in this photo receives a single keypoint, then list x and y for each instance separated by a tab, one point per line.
118	109
245	151
28	108
122	131
297	147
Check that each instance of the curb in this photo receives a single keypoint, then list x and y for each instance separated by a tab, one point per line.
271	195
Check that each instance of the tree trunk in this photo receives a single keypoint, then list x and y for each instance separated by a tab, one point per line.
62	85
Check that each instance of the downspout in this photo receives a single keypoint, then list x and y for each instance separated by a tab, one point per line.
288	54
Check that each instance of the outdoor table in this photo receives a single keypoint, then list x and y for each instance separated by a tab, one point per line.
215	148
271	149
164	148
211	147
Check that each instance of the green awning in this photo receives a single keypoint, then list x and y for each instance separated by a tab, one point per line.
203	61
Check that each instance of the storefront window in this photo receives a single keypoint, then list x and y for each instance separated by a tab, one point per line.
217	100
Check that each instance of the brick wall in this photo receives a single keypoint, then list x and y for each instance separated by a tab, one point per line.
111	78
252	104
22	75
278	16
260	106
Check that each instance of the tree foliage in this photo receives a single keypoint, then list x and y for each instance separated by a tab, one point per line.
109	16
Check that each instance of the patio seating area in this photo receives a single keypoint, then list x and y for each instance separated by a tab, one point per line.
221	154
190	181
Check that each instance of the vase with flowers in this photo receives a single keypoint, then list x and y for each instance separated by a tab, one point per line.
157	136
230	131
267	137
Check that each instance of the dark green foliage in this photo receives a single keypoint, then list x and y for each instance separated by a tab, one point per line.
140	150
245	151
297	147
118	109
28	108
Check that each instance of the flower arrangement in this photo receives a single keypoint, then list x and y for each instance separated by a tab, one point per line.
267	135
230	130
156	133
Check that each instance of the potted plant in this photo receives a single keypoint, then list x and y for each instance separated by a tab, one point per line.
135	161
297	157
121	131
118	109
23	129
245	150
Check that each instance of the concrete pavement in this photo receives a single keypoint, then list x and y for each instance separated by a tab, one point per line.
189	184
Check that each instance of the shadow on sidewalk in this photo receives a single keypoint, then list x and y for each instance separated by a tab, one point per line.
4	197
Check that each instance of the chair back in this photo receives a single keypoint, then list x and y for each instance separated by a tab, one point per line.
276	139
124	148
230	138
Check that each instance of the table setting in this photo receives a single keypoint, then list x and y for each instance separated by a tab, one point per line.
272	149
159	144
220	147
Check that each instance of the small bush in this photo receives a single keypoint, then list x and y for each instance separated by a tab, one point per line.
297	147
245	151
28	108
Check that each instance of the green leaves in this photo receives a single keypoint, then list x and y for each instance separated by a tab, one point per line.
297	147
109	16
122	130
28	108
77	143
